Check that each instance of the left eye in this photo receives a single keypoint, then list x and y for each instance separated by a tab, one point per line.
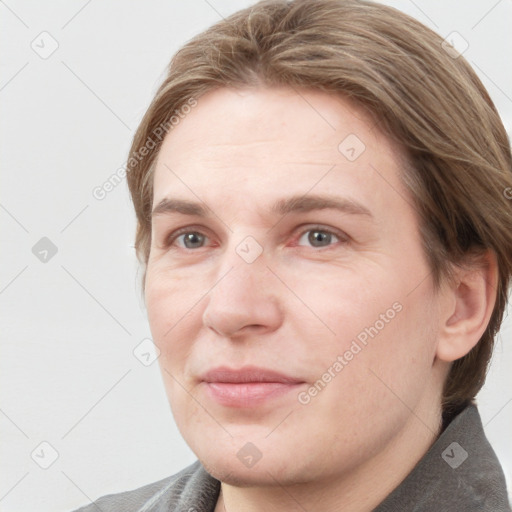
318	237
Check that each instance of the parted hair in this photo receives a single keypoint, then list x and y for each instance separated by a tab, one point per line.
457	163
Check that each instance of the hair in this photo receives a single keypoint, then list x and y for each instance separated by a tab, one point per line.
426	99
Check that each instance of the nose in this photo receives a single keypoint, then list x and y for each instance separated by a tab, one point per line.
244	299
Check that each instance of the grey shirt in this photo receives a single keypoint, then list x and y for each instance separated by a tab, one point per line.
460	472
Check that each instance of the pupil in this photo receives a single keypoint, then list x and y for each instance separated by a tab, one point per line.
319	236
192	240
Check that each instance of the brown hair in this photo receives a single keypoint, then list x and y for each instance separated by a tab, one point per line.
425	98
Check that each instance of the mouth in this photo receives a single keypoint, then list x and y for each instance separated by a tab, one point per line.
249	386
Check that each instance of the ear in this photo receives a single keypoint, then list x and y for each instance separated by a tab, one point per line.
470	303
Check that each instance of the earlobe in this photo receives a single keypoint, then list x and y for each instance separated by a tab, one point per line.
471	300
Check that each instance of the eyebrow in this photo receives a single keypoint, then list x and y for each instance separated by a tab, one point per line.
305	203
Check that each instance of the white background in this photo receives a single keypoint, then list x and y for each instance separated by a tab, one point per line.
69	326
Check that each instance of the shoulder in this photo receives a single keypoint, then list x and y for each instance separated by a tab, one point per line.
192	487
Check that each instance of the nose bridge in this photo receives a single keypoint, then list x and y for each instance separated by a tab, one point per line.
244	257
243	274
243	293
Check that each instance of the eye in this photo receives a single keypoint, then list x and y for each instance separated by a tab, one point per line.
187	239
319	237
316	237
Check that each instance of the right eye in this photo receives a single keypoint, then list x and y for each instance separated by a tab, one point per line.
186	239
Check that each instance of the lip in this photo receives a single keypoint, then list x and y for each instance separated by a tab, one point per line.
247	374
248	386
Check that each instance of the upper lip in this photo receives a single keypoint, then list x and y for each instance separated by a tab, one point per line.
246	374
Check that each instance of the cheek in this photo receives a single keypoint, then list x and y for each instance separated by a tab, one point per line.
372	320
169	300
344	301
364	385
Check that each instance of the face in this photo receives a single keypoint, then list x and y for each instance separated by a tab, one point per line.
287	288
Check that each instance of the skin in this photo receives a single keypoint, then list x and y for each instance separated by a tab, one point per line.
300	304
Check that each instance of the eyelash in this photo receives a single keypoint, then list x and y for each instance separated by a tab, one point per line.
342	237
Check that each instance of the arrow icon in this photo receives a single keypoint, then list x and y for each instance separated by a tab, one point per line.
454	45
247	252
44	44
44	250
249	455
351	147
146	352
44	455
454	455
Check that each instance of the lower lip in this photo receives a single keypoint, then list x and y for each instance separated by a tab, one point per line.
247	394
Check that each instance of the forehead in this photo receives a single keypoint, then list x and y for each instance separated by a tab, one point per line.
263	142
233	117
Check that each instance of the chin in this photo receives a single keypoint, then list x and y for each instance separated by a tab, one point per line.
243	478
